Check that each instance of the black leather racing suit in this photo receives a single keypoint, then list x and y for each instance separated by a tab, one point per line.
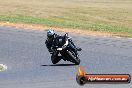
49	43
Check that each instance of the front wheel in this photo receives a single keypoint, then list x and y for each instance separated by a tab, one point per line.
55	59
74	59
77	61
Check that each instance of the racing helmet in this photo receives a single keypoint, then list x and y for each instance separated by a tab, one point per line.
50	33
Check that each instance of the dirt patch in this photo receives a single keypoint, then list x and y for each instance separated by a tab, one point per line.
41	27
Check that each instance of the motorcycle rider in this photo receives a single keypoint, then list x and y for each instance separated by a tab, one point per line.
51	37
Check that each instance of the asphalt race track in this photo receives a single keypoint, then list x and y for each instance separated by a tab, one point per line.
29	64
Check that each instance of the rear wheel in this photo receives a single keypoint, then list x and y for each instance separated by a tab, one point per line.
55	59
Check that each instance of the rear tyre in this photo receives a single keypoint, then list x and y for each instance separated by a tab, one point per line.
55	59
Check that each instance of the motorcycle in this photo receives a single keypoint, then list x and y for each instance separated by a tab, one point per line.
62	50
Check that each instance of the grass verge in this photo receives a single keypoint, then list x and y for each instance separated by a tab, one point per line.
61	22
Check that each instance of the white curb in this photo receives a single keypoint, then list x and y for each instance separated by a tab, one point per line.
3	67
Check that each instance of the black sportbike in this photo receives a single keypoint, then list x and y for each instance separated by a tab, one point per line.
62	49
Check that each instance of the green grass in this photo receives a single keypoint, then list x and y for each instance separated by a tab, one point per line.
114	16
53	22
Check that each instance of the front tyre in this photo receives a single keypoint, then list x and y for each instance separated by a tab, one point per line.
74	59
77	61
55	59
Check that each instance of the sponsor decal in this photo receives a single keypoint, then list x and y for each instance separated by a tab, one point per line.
82	78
